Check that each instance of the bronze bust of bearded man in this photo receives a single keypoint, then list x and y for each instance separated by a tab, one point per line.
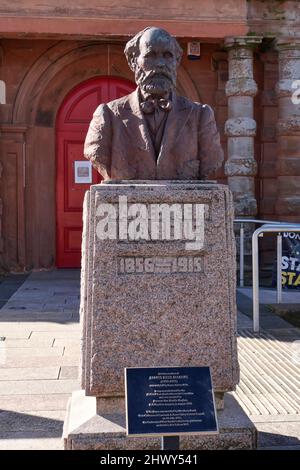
152	133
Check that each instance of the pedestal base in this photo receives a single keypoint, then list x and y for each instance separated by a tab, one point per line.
84	429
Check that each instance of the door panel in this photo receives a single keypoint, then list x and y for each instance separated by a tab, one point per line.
72	124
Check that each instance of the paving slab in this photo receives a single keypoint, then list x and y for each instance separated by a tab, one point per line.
41	361
31	296
17	443
56	334
243	321
266	317
39	402
31	316
27	424
69	372
45	326
278	434
55	301
22	304
27	343
269	296
38	387
72	275
33	373
72	351
68	342
10	284
12	333
31	352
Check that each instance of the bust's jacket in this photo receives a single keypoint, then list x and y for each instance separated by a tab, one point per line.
120	147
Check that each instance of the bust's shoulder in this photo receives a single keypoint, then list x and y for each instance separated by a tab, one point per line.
120	103
201	108
114	106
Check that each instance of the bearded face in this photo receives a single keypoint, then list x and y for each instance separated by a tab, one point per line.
155	82
156	65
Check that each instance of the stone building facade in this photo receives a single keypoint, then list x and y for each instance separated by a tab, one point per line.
248	71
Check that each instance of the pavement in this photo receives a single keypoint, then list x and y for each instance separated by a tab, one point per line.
39	357
40	351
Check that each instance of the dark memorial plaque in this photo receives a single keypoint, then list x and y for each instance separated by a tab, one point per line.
169	401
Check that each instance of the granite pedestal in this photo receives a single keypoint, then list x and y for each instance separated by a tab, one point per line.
157	289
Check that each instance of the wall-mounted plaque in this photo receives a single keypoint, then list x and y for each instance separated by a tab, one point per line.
83	172
168	401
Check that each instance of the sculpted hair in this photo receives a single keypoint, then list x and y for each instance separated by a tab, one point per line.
132	48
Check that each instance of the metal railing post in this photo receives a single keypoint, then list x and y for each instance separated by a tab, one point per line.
242	255
268	227
279	260
255	280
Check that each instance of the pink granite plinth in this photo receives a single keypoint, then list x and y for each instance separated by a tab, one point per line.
155	302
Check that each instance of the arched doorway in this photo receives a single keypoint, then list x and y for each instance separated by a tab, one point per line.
73	172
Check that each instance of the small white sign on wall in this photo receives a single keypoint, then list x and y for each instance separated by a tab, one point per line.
83	172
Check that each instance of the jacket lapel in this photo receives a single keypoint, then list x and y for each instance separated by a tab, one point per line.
136	125
176	121
137	128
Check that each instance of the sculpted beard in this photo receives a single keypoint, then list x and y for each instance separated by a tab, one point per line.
155	83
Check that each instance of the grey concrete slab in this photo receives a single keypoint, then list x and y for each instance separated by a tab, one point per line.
27	343
56	334
41	361
267	318
76	316
268	296
37	295
10	333
38	402
32	352
285	335
29	424
273	321
9	285
72	301
73	310
69	372
16	443
67	341
24	304
278	434
55	301
57	274
35	316
44	325
29	373
72	351
38	387
243	321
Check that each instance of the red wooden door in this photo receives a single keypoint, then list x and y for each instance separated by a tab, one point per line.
73	172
